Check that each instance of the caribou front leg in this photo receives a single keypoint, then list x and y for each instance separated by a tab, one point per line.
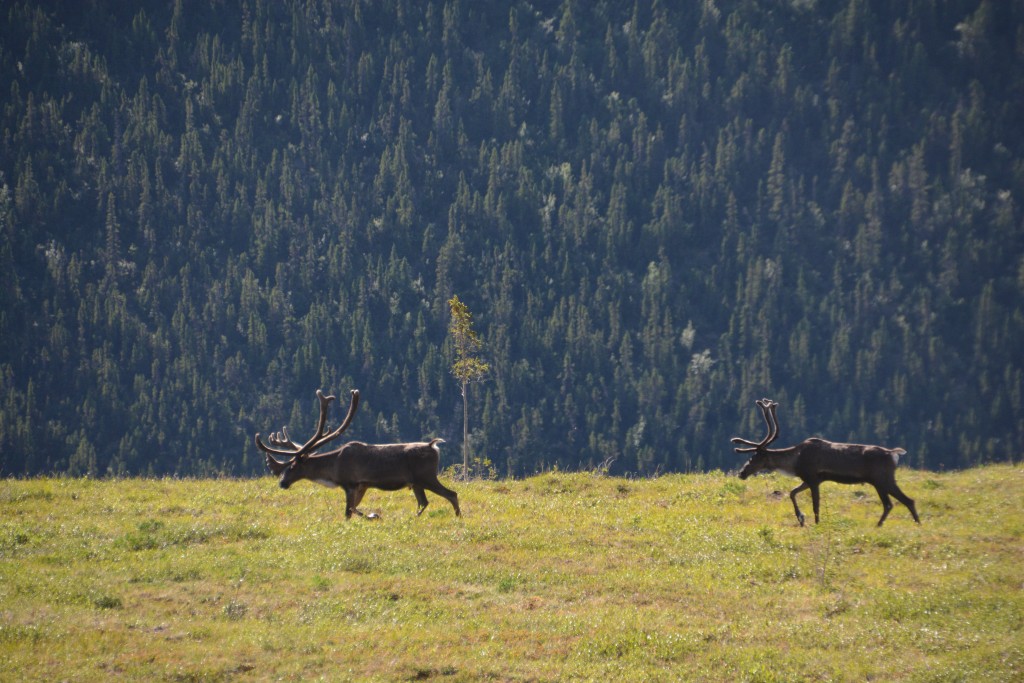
792	496
353	496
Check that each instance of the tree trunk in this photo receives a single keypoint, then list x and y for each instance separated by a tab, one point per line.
465	433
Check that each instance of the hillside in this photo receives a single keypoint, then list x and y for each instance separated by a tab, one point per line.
657	213
555	577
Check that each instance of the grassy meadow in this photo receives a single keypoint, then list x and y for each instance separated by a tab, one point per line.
556	577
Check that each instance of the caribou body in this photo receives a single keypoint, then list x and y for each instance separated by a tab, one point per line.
816	460
356	467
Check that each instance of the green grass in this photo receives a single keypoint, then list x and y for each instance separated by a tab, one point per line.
557	577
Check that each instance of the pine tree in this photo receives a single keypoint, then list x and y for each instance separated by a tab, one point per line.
468	366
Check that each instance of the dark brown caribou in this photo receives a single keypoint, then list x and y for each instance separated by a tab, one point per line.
356	466
817	460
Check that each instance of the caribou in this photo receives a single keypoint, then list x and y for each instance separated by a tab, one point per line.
816	460
356	466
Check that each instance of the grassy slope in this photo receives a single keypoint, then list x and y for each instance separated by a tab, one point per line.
557	577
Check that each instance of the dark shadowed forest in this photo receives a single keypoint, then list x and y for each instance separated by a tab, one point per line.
657	212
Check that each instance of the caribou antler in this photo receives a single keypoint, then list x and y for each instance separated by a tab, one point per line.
282	444
768	408
281	438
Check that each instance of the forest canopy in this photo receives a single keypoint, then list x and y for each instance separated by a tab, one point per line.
656	213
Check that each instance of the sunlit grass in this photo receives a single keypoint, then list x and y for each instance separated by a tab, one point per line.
560	576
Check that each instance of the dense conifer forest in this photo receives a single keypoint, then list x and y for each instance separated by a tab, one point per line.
657	212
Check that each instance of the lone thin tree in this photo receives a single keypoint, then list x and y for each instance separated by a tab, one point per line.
468	366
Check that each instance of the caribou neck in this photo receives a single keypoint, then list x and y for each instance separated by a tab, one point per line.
783	459
321	469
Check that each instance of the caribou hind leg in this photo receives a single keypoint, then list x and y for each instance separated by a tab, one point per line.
421	499
438	488
906	500
886	503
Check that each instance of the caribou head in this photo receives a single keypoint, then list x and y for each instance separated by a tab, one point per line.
293	462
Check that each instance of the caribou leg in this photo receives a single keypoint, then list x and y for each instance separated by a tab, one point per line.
421	499
792	495
886	503
353	496
815	499
438	488
906	500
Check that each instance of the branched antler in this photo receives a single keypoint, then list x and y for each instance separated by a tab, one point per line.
282	445
768	408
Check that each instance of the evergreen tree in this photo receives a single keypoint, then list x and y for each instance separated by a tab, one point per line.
668	211
468	367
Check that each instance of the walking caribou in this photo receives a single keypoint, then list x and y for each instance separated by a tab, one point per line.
356	466
816	460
